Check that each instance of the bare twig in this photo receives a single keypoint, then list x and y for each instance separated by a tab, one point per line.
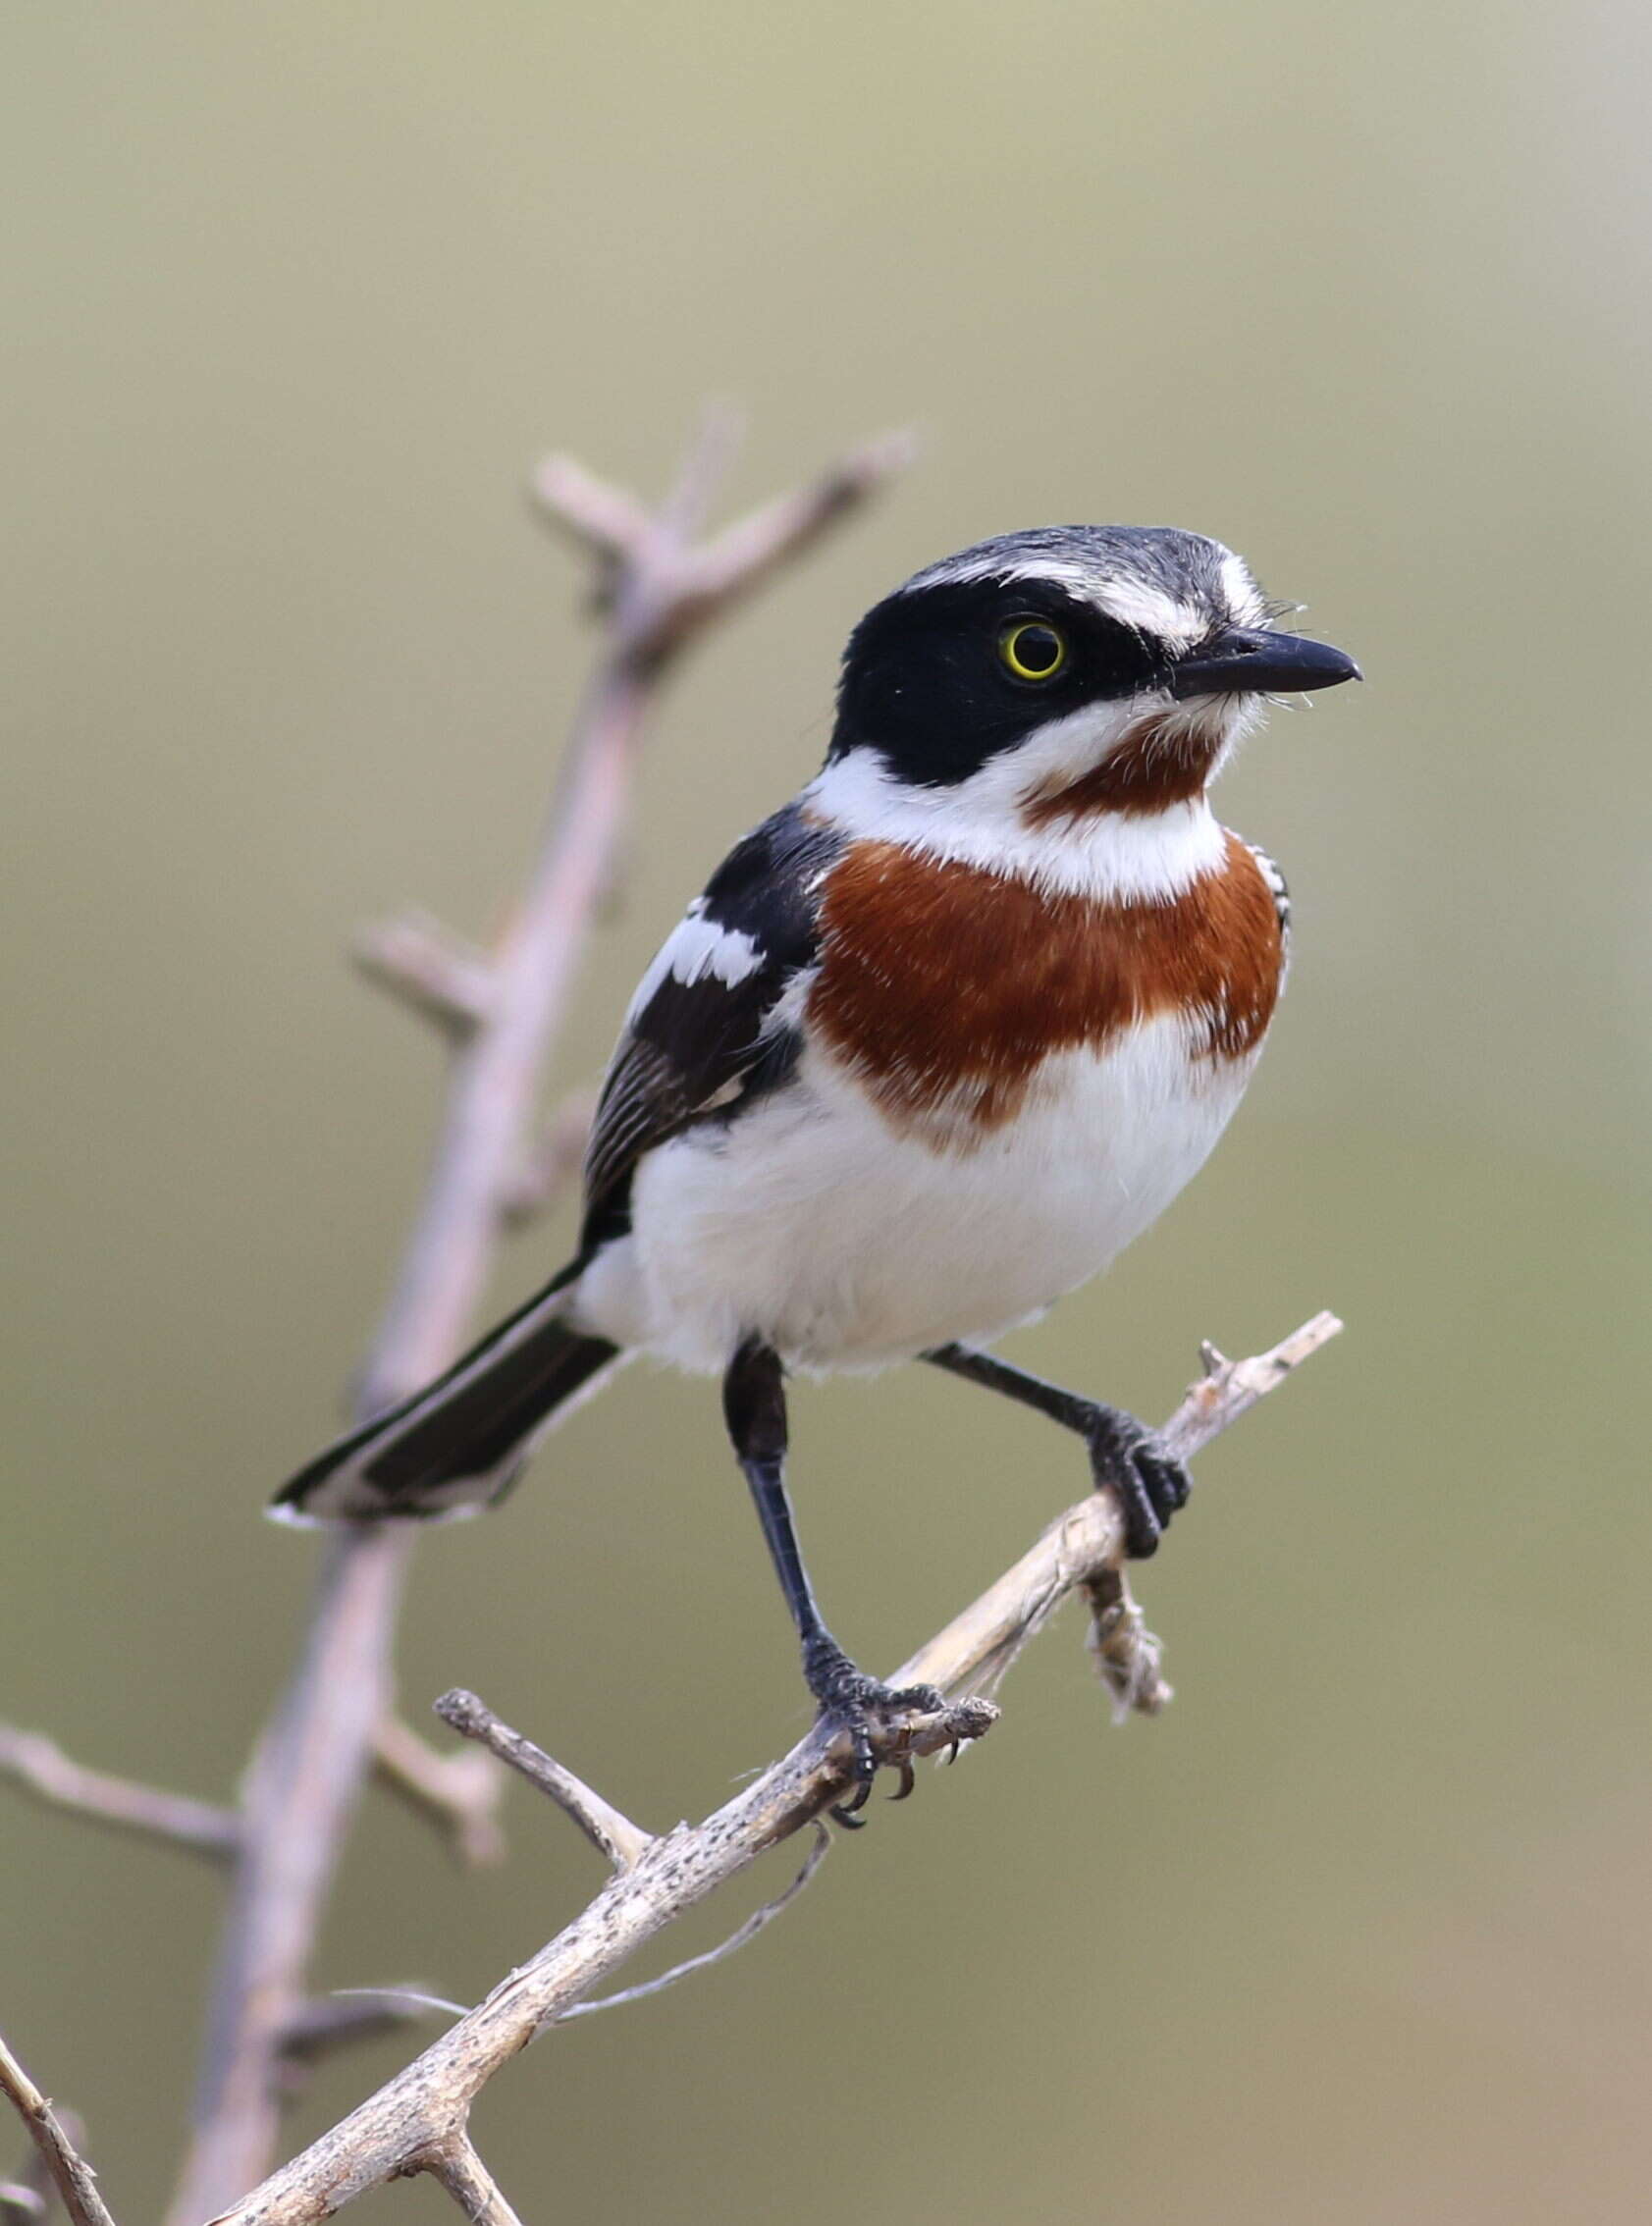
470	2184
425	2109
442	977
27	2197
461	1791
40	1765
299	1795
503	1015
744	555
611	522
609	1832
551	1165
73	2177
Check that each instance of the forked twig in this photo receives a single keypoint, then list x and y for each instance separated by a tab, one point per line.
500	1013
425	2109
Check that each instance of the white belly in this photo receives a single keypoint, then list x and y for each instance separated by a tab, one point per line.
813	1223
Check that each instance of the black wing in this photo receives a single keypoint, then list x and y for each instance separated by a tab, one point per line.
700	1038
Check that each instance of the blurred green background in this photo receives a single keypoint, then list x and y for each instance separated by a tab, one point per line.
1363	1927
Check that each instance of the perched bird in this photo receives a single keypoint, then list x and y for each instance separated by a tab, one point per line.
938	1040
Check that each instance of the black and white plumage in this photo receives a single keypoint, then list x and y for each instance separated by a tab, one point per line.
703	1034
937	1041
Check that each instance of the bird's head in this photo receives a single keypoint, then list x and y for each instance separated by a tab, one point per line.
1070	670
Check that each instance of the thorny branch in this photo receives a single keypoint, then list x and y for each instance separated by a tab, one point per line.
658	589
419	2120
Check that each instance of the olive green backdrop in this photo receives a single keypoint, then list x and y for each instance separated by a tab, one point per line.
1361	1930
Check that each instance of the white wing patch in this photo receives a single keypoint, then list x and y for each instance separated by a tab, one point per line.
698	949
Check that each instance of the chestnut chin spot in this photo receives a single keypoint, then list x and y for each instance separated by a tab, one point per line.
947	987
1162	761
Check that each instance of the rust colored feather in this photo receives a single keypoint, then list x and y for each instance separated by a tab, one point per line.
947	987
1164	762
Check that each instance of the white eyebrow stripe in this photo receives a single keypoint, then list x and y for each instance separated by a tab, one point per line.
1150	611
958	572
1245	598
1132	603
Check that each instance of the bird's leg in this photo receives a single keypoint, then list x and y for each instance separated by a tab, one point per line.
1123	1451
754	1403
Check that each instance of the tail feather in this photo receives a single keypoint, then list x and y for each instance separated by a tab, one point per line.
457	1445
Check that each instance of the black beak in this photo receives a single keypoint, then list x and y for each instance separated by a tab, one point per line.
1256	661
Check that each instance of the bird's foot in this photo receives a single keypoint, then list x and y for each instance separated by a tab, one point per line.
878	1720
1146	1475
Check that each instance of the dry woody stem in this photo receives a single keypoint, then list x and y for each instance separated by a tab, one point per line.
610	1834
422	2115
69	2172
500	1013
40	1767
460	1793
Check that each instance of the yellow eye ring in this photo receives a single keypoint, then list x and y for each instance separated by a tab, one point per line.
1031	649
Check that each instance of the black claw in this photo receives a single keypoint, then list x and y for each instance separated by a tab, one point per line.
1143	1526
1167	1482
862	1708
1149	1480
848	1814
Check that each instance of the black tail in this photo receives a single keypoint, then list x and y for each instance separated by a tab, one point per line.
458	1442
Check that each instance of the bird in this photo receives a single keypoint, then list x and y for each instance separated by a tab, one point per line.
937	1041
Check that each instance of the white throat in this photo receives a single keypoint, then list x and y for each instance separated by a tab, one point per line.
980	821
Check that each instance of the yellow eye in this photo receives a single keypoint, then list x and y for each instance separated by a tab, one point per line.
1031	649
